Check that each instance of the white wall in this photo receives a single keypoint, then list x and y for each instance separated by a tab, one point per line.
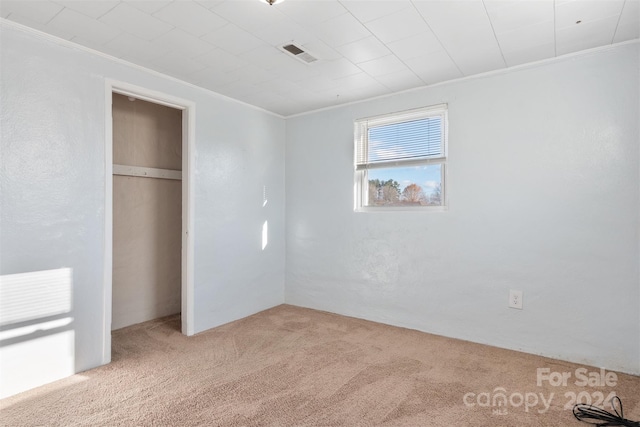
52	194
543	194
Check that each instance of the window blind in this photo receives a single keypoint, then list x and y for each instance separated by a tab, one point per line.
416	136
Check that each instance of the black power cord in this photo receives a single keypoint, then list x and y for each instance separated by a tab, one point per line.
592	415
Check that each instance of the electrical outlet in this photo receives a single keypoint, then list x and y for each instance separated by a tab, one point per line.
515	299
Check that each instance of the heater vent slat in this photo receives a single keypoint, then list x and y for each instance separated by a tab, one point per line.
307	58
299	53
292	48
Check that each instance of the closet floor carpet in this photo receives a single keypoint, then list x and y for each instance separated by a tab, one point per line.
291	366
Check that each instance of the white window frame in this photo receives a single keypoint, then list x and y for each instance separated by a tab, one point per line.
361	135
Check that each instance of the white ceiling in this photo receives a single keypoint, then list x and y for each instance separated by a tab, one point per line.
365	48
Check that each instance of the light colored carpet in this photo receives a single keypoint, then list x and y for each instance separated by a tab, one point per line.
290	366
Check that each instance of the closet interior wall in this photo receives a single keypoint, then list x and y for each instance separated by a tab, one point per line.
147	212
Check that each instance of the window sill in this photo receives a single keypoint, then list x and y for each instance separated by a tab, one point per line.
401	209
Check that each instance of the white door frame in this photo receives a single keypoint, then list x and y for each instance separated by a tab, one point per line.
188	166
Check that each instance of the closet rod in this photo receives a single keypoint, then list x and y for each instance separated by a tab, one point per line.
146	172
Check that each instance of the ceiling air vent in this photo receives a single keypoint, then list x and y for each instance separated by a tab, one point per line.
299	53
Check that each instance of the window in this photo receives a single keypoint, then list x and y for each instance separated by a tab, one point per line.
401	160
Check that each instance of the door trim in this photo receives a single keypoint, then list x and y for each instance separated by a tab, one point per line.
188	167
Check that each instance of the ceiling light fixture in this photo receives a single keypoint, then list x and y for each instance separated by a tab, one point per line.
272	2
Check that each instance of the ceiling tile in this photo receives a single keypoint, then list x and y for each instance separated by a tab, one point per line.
277	61
211	78
280	86
253	74
233	39
529	54
474	50
466	34
259	97
364	50
82	26
301	98
135	22
338	68
179	40
294	70
458	24
177	64
400	80
265	56
630	12
191	17
416	45
357	81
273	102
586	11
329	97
450	17
285	31
368	11
249	15
315	103
93	9
148	6
347	94
434	67
469	39
35	10
585	35
629	25
264	21
236	89
311	12
478	59
508	16
14	17
626	32
221	60
209	4
132	48
527	37
381	66
319	83
397	26
341	30
321	50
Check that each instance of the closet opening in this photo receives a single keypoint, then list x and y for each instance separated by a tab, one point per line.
147	211
148	216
